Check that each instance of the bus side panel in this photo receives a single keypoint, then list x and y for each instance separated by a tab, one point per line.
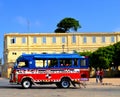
84	74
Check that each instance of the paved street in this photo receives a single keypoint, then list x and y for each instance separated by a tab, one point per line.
92	90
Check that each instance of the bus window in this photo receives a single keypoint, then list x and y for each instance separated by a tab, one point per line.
41	63
75	62
52	63
82	62
65	62
62	62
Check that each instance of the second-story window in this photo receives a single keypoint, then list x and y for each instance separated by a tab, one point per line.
63	39
43	39
14	53
84	39
94	39
23	39
103	39
13	40
53	39
34	40
73	39
112	39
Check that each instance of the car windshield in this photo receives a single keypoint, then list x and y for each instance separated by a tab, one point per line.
22	64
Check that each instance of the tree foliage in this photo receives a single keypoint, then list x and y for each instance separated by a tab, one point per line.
85	53
116	57
67	24
60	30
102	57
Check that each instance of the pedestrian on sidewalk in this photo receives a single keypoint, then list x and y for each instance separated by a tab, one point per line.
101	74
97	75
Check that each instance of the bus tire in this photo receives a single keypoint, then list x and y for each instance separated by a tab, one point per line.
26	83
65	83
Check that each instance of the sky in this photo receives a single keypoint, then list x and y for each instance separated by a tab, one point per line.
42	16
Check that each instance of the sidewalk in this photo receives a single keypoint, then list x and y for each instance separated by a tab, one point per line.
106	81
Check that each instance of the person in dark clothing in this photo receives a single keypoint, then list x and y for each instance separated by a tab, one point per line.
97	75
101	75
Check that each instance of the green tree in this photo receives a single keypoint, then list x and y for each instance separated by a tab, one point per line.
67	24
85	53
103	57
116	57
60	30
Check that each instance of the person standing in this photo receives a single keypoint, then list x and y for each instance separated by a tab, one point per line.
97	75
101	73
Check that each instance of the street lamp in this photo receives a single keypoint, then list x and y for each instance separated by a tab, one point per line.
63	46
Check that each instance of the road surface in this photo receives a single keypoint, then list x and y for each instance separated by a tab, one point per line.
92	90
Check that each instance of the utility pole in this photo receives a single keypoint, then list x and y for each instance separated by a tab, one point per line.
63	46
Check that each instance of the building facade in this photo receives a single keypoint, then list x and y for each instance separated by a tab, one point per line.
16	44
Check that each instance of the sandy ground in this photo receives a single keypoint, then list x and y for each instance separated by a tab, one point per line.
106	81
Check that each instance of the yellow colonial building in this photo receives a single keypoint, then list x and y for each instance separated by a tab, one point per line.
16	44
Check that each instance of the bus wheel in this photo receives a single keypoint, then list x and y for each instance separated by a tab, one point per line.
65	83
26	84
58	85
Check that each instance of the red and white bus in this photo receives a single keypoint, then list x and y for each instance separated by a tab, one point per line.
59	69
